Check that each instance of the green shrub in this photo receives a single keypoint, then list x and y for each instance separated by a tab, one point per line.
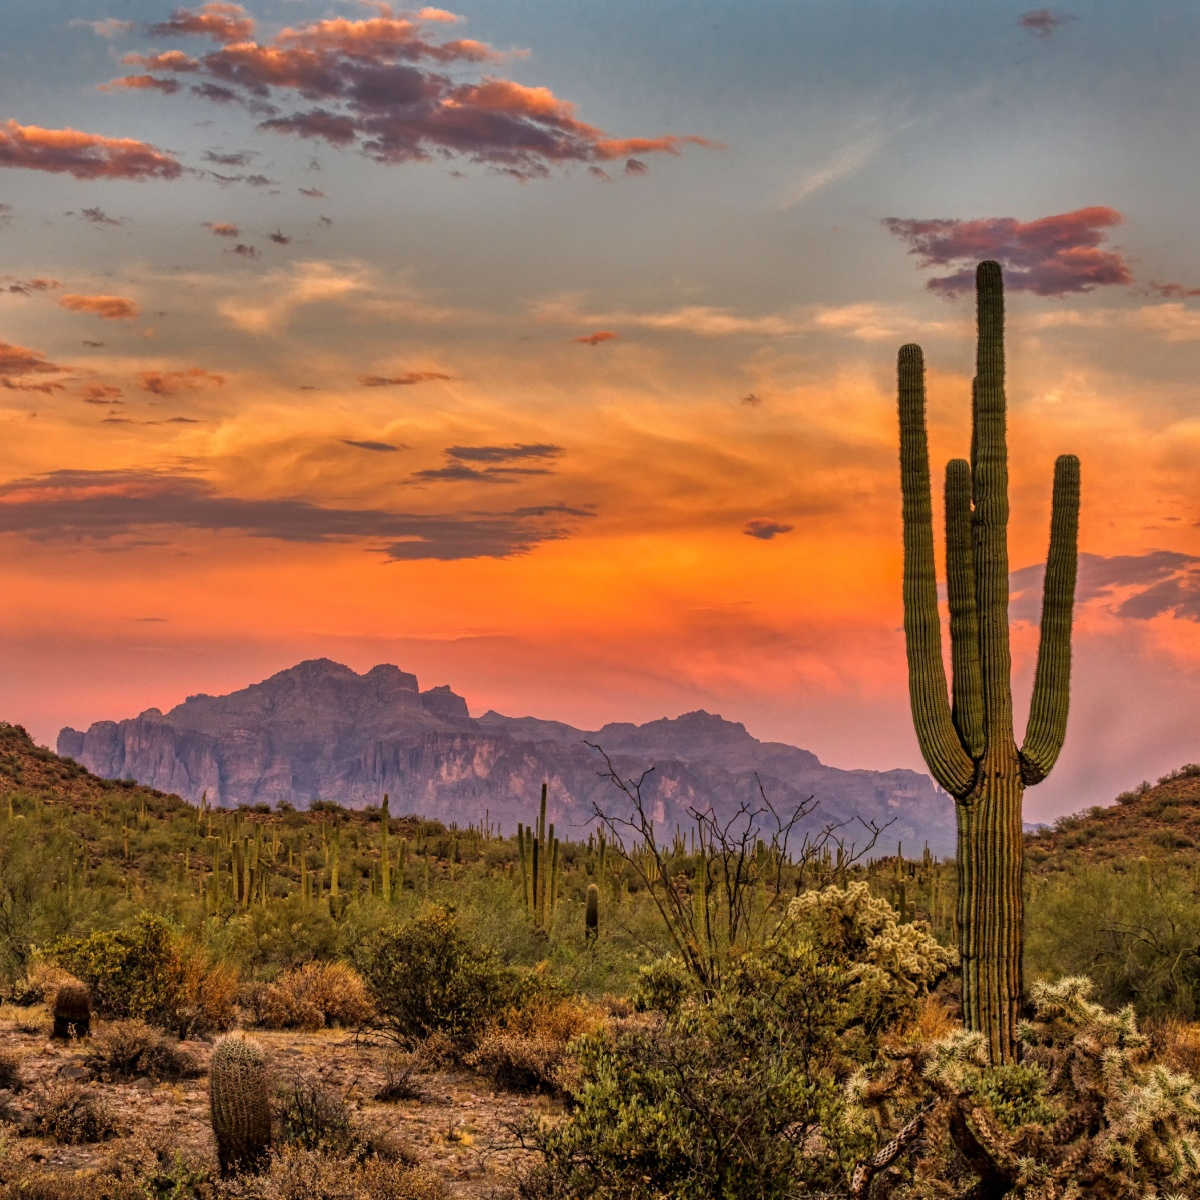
148	970
426	976
662	985
744	1096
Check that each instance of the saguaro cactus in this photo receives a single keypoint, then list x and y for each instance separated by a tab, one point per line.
539	867
240	1104
968	741
591	916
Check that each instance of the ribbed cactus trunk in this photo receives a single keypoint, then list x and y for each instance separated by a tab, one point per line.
968	740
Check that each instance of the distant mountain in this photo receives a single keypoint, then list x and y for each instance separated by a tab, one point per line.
321	731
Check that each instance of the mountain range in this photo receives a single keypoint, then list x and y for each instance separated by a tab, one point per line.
321	731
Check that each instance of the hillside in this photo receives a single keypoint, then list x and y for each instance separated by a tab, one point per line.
1159	821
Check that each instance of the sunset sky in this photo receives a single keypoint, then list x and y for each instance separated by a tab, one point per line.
547	349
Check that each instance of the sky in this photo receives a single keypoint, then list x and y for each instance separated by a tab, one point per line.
548	350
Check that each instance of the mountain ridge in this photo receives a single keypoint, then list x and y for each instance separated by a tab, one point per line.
321	731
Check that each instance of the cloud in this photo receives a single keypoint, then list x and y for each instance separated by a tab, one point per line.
110	307
221	22
26	287
461	473
381	447
83	155
107	27
766	530
840	165
226	229
245	250
102	393
236	158
406	380
5	214
495	454
1176	291
92	344
121	507
594	339
170	383
17	364
140	83
279	239
1134	586
379	83
1051	256
312	193
97	216
1042	21
753	399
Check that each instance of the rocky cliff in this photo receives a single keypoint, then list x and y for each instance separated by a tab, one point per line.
320	731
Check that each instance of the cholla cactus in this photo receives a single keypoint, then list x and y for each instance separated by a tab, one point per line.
239	1100
1084	1115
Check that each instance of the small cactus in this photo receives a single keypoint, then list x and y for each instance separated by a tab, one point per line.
72	1011
240	1105
592	914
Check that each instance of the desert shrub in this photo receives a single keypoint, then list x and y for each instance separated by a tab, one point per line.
299	1174
314	1115
525	1048
743	1094
131	1049
1135	933
402	1070
72	1114
147	969
10	1071
311	996
40	983
426	976
1087	1112
661	985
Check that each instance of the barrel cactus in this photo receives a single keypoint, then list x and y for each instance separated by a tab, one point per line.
240	1104
72	1011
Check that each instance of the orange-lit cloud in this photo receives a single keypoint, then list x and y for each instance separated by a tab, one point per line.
170	383
595	339
1051	256
83	155
222	228
220	21
365	84
102	393
405	380
26	287
140	83
110	307
765	530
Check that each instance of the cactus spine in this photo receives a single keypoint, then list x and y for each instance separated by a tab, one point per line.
539	867
968	741
239	1103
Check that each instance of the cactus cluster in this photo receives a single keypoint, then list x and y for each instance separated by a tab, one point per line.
539	867
240	1104
967	740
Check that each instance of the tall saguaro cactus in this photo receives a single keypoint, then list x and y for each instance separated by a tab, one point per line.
539	867
967	739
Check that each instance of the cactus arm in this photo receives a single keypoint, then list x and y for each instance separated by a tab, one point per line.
1048	713
948	761
990	518
967	705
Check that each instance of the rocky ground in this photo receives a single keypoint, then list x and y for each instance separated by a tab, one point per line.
458	1127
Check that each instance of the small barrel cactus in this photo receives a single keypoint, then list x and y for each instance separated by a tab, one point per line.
72	1011
240	1104
592	913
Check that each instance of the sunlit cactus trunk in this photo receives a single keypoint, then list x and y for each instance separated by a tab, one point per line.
967	739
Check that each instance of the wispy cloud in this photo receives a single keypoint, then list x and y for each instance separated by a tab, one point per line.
83	155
